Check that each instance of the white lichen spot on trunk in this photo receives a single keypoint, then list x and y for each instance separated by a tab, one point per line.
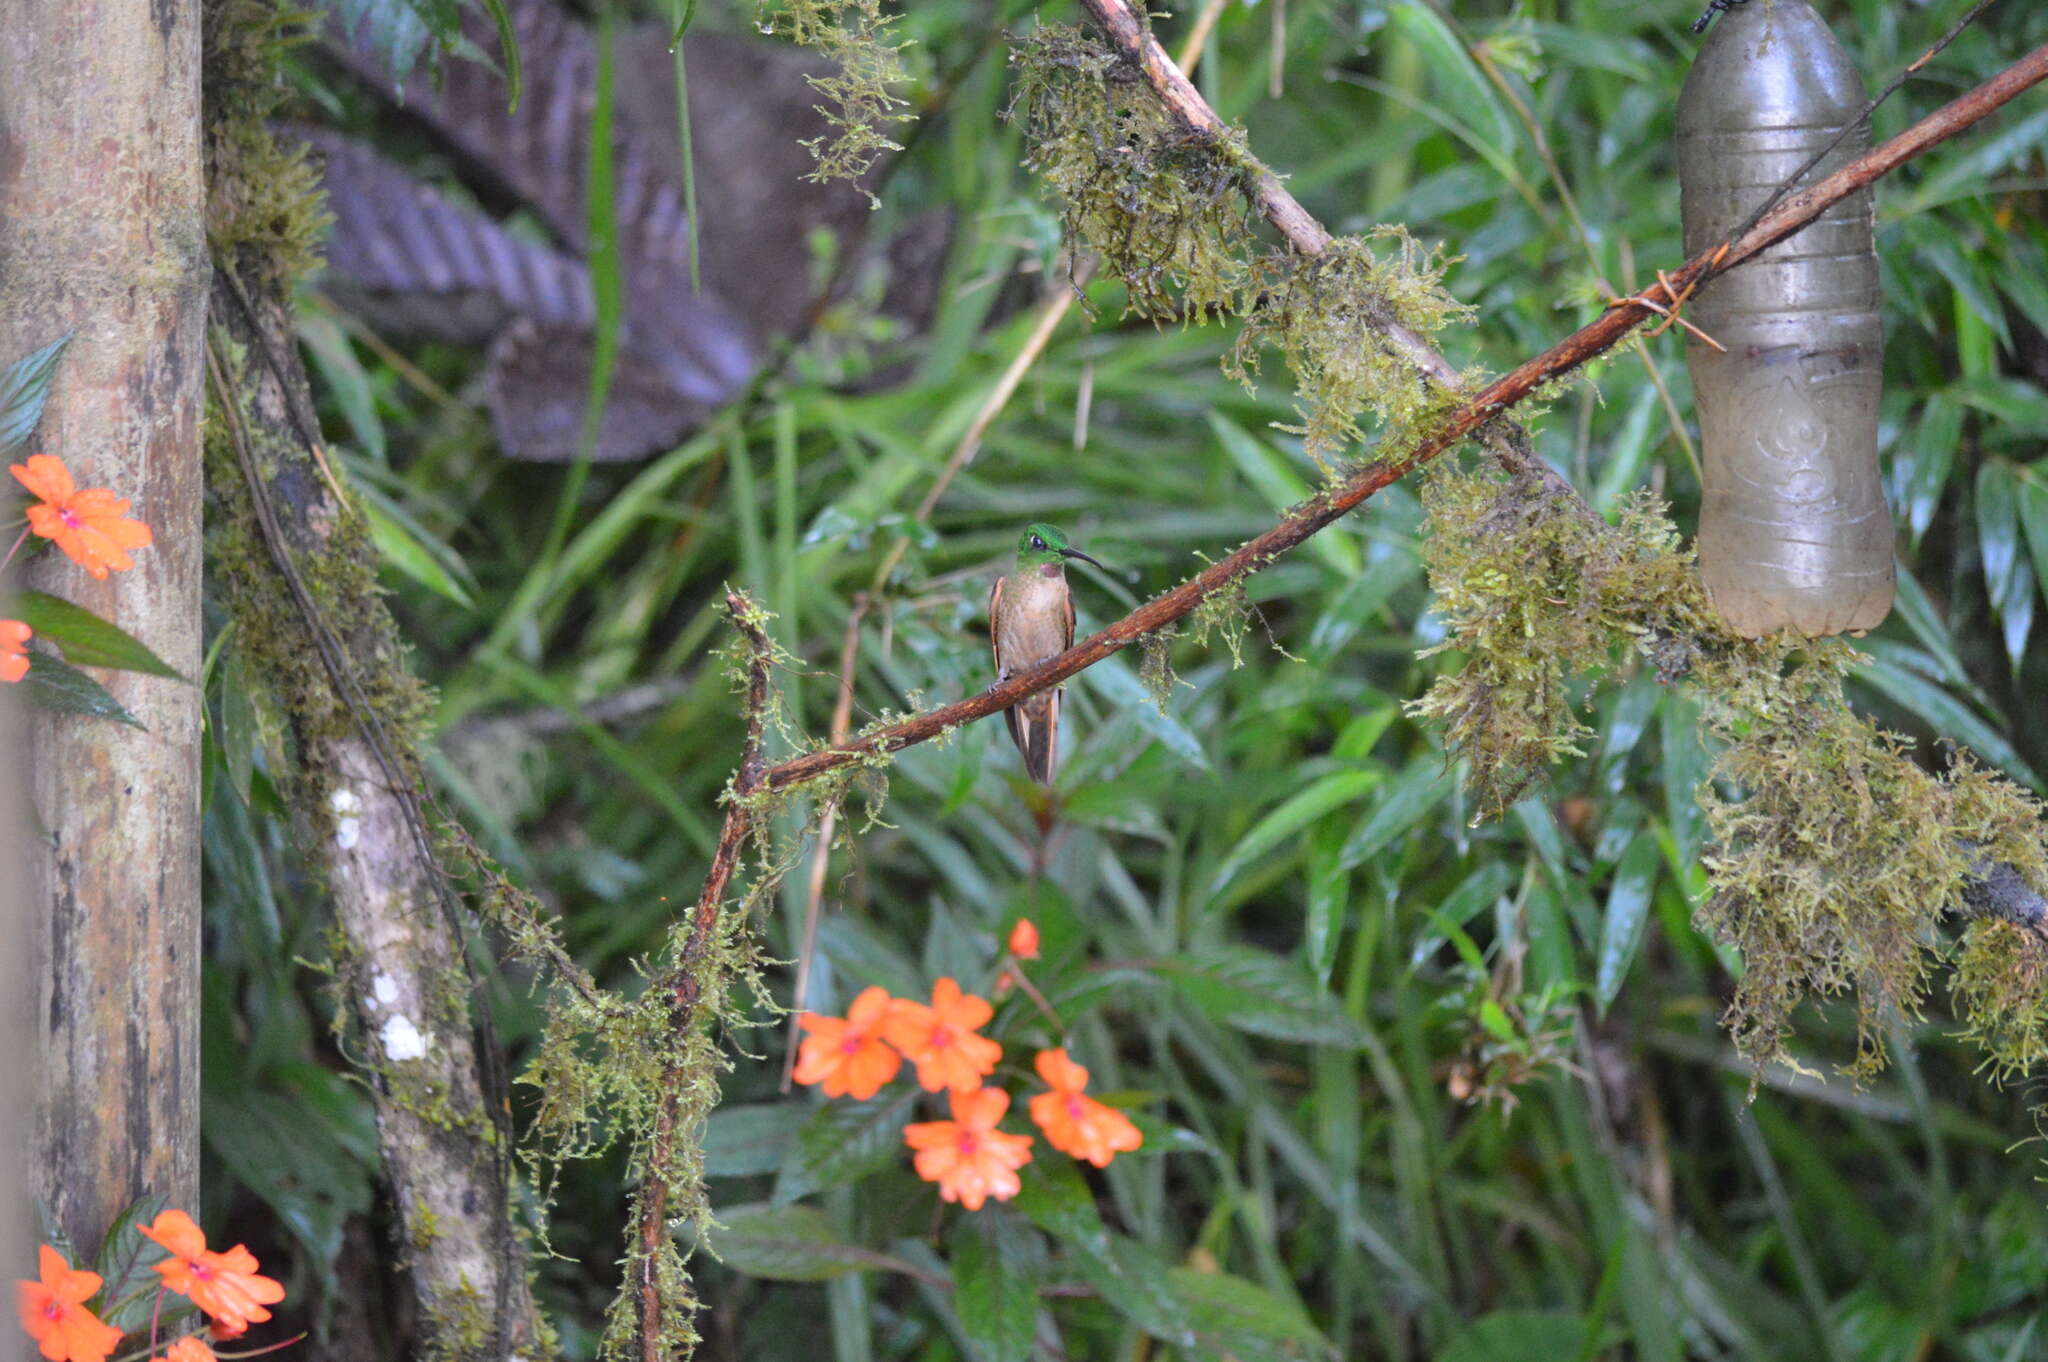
348	818
402	1040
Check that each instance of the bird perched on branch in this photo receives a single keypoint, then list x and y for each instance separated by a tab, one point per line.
1031	618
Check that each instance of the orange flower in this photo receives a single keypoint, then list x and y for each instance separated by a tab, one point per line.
14	636
92	526
941	1041
224	1285
190	1348
1024	939
847	1055
967	1156
1077	1125
53	1312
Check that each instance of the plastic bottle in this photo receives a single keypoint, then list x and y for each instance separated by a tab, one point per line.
1794	532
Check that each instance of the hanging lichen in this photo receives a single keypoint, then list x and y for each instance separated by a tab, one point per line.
1536	592
1162	207
1331	315
1836	859
860	99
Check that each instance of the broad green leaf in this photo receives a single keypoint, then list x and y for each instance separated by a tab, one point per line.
343	373
58	686
1933	449
1475	892
1118	684
1261	993
2006	570
995	1292
308	1177
1056	1198
24	388
844	1141
2033	500
1628	909
750	1139
1456	76
1518	1336
786	1243
1329	898
87	640
1331	792
1685	764
1239	1317
123	1263
1406	801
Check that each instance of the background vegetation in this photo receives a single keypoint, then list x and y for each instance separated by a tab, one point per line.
1412	1088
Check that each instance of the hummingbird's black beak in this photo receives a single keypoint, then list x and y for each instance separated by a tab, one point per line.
1076	553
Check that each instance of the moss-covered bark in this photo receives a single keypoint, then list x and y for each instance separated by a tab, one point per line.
294	565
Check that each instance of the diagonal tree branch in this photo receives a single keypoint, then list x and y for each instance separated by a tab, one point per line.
1472	416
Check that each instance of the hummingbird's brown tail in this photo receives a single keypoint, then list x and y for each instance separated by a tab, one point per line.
1035	728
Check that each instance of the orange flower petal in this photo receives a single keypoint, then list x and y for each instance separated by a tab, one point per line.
1024	939
45	476
177	1232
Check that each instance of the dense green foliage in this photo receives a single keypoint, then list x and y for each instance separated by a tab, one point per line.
1414	1083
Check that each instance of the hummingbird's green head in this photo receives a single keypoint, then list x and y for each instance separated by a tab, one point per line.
1041	545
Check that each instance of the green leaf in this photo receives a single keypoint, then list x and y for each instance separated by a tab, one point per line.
744	1141
1118	684
2033	499
1056	1198
1933	449
1517	1336
787	1243
1261	993
2007	578
24	388
1235	1316
344	376
87	640
122	1266
508	47
307	1175
1331	792
1946	715
845	1141
1406	802
1458	80
995	1291
1628	909
405	551
58	686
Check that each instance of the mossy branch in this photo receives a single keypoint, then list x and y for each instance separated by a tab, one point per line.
1477	414
683	983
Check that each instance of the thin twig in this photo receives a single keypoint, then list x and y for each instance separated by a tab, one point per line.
1133	38
1791	181
1198	36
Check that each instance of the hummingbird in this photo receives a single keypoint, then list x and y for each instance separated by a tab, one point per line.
1031	618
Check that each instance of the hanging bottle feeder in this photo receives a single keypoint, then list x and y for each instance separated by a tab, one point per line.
1794	532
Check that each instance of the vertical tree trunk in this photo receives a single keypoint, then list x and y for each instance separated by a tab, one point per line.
101	236
334	651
